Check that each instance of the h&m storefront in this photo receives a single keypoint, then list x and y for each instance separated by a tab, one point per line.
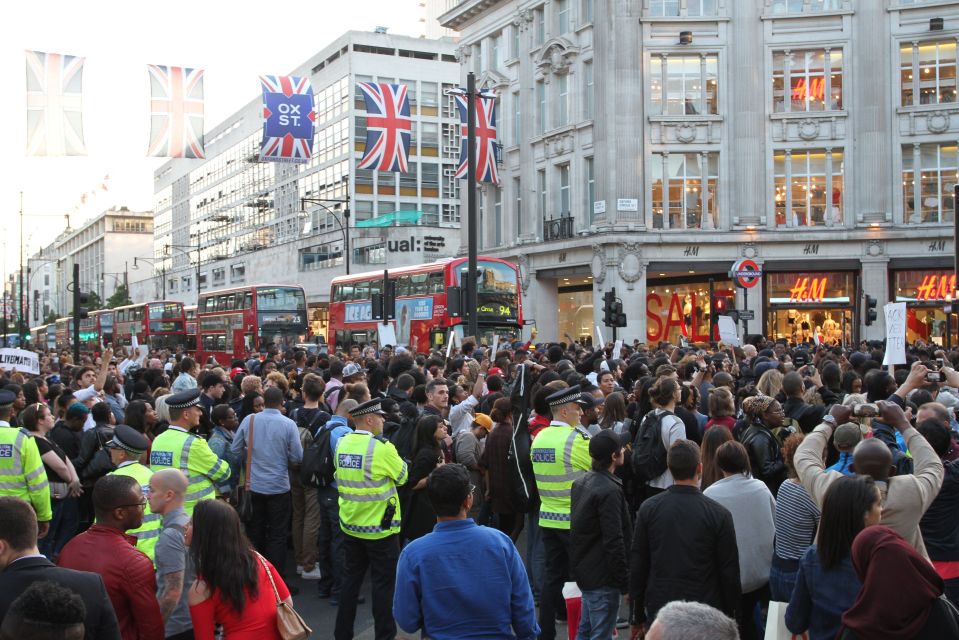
800	305
925	292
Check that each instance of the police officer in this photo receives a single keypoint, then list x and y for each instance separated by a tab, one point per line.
177	448
125	450
560	455
21	469
368	470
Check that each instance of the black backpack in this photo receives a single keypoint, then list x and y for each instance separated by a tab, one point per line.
649	454
317	468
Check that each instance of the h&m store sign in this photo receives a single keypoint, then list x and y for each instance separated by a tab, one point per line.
924	286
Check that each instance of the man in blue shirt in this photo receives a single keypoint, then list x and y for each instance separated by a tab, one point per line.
276	446
475	560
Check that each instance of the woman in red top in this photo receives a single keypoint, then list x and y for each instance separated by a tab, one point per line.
232	587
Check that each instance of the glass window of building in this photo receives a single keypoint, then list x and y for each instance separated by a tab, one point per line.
691	84
539	21
928	73
429	138
802	305
564	200
429	99
590	188
562	16
684	190
663	8
588	90
808	187
514	42
430	173
701	8
562	100
518	208
785	7
541	183
807	80
517	118
677	305
587	11
496	51
541	102
938	173
925	292
497	216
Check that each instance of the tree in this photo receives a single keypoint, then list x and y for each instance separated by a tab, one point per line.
120	297
94	301
50	318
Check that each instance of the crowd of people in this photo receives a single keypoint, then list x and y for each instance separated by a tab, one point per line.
680	489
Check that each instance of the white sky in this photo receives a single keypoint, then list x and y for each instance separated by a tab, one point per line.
233	41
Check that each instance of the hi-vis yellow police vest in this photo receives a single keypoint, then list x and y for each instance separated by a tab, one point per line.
368	470
147	533
560	455
178	449
21	471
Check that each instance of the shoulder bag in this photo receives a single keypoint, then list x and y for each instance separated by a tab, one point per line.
288	622
245	508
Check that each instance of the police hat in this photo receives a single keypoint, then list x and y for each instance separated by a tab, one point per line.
588	400
184	399
128	439
564	396
7	398
368	407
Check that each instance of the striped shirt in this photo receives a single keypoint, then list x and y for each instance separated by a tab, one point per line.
797	518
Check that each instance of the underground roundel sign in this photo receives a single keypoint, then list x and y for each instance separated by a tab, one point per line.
747	273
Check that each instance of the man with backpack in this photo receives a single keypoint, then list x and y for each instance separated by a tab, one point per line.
306	507
560	455
659	429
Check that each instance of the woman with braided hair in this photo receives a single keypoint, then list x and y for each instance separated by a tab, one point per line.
764	414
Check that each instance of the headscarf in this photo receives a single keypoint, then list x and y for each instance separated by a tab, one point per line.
899	587
756	406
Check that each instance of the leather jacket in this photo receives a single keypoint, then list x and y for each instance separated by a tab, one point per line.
94	461
765	456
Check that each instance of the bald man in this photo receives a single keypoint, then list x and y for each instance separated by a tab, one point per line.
938	412
904	498
173	567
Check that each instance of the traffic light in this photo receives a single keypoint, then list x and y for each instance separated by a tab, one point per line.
619	318
454	302
870	310
609	308
82	312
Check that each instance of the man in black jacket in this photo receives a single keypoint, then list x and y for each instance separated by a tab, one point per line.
806	415
683	547
600	536
21	565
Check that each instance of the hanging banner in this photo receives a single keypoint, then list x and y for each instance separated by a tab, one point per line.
20	360
389	128
54	105
176	112
288	118
485	138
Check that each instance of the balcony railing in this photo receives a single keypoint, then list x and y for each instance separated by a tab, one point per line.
557	228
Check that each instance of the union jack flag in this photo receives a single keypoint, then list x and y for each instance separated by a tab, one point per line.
54	105
485	138
176	112
288	118
389	128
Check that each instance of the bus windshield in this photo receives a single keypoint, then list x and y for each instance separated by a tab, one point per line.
166	311
492	278
280	299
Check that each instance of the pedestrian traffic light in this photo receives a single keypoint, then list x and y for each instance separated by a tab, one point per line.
609	308
870	310
454	302
82	312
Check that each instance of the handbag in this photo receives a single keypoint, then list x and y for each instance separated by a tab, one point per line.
245	508
288	622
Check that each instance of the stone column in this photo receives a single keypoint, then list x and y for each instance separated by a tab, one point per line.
747	112
871	116
875	282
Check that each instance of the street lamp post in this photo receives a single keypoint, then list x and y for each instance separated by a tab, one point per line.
153	264
185	250
345	228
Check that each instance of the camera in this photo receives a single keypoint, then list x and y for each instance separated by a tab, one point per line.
933	376
865	410
808	370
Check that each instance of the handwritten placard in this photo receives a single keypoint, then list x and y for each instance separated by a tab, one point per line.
895	333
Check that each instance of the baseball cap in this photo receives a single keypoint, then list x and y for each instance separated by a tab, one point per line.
351	369
483	420
604	444
847	435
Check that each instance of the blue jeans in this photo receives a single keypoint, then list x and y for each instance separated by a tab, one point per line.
535	556
782	579
63	526
598	618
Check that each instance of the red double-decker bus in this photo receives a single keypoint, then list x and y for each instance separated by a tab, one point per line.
422	321
96	331
159	325
233	322
191	325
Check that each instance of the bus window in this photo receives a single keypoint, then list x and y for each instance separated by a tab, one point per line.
221	343
376	286
229	299
435	283
403	287
248	300
361	290
418	283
